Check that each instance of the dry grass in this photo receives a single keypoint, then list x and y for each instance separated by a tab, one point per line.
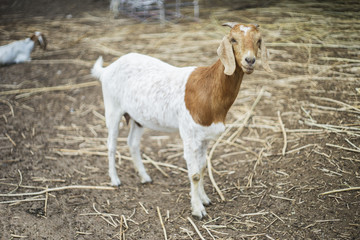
308	106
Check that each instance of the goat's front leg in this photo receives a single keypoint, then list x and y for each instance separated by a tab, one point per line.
134	138
202	156
195	156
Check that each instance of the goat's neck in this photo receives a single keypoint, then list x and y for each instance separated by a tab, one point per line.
225	88
210	93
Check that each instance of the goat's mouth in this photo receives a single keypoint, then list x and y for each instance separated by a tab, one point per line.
247	69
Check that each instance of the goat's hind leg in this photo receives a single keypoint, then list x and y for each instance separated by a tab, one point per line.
134	138
112	121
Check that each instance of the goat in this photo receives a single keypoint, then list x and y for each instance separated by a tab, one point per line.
19	51
193	100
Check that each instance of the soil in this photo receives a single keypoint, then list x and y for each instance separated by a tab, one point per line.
58	138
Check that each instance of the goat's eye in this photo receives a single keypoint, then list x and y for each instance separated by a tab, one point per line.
232	40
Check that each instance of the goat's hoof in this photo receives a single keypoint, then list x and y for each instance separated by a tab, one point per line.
146	179
200	213
205	200
115	182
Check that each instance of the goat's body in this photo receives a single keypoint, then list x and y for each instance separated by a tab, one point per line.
16	52
152	93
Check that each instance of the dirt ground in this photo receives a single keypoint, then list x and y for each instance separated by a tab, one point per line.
293	135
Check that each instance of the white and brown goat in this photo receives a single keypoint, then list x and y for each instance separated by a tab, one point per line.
192	100
19	51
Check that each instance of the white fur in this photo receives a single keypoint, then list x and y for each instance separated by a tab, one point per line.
152	93
244	29
16	52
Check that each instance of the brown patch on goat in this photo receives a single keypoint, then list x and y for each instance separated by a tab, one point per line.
210	93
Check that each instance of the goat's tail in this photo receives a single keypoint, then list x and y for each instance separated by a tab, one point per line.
97	69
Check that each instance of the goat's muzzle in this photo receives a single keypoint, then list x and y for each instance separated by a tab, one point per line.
248	63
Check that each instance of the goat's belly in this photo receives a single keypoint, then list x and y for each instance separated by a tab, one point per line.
160	128
156	120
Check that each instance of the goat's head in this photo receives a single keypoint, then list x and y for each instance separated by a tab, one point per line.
39	39
240	47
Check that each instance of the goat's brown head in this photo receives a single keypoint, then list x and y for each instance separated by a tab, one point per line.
240	47
39	39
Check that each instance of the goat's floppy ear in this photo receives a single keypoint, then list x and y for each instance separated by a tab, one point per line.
264	57
226	55
39	38
42	41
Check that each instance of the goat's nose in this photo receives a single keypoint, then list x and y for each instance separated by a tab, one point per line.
250	60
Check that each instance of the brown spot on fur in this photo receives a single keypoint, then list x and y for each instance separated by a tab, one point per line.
195	177
209	93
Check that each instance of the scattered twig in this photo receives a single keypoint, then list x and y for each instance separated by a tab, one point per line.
83	233
15	202
83	151
341	190
22	186
58	189
213	180
49	89
10	139
207	229
125	222
196	229
327	220
19	184
252	174
271	223
337	102
156	165
161	222
358	148
278	217
313	45
336	129
120	229
18	236
284	133
63	61
283	198
46	202
9	105
146	211
300	148
344	148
